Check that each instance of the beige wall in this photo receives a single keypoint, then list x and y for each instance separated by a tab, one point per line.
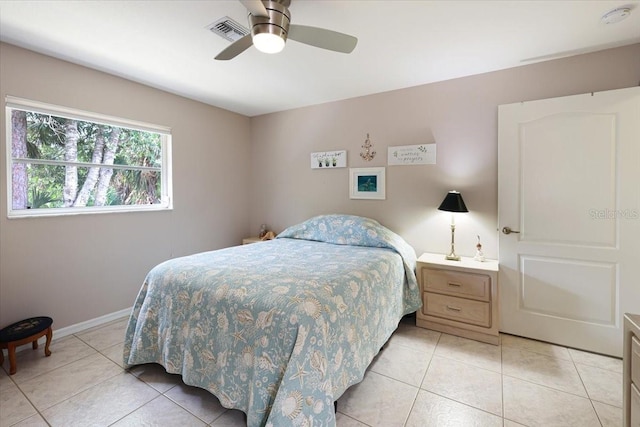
459	115
79	268
82	267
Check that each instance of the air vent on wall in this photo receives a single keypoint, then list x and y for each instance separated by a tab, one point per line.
228	29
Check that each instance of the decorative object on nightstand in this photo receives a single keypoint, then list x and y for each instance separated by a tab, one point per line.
269	235
453	203
479	254
459	297
263	230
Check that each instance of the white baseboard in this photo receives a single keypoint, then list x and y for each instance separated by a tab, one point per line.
98	321
82	326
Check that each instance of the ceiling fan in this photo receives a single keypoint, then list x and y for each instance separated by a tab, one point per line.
270	29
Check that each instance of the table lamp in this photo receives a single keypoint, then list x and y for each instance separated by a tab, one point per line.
453	203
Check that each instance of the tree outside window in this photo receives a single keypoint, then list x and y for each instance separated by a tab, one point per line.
65	164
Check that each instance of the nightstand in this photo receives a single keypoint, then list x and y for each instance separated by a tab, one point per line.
631	370
249	240
459	297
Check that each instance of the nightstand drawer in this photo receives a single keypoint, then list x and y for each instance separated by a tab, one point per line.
635	406
458	309
635	361
468	285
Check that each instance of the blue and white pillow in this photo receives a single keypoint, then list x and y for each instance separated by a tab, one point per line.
351	230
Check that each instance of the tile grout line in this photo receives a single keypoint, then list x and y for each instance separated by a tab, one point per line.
585	388
39	411
413	404
126	415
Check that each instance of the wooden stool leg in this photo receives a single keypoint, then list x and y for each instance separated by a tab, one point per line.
11	349
47	352
34	344
1	356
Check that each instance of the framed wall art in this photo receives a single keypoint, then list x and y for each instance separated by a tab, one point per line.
367	183
423	154
329	159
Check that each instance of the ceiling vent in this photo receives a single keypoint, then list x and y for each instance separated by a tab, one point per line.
228	29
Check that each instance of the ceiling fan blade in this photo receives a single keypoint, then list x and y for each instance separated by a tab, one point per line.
255	7
235	48
322	38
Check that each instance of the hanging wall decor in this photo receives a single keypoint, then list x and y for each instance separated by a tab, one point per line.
423	154
367	183
329	159
368	154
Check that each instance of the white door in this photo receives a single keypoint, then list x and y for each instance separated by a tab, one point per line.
569	188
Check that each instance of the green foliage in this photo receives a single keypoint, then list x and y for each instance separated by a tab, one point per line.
44	183
46	140
40	199
113	199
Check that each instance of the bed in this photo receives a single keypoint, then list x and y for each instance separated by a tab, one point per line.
278	329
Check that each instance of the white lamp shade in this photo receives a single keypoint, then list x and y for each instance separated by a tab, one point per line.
268	42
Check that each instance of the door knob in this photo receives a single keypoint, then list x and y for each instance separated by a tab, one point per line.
508	230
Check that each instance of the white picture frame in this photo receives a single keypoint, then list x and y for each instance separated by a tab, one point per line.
329	159
406	155
367	183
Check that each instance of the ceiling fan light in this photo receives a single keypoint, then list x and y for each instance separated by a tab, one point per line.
269	33
268	42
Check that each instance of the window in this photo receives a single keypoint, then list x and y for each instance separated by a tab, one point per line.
63	161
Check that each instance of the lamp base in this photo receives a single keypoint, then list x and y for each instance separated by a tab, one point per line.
452	254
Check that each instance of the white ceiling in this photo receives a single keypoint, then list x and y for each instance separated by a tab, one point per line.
165	44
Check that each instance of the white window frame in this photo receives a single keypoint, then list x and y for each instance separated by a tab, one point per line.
166	201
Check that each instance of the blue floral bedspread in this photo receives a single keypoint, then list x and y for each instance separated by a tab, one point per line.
278	329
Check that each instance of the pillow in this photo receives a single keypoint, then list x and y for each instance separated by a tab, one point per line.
355	231
338	229
350	230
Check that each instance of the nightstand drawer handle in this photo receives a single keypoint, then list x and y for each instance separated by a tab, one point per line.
457	285
453	308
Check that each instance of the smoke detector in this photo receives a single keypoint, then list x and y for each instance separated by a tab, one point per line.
616	15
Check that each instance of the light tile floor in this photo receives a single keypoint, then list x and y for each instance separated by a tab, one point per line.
422	378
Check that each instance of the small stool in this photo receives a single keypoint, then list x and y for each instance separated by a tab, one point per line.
24	332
